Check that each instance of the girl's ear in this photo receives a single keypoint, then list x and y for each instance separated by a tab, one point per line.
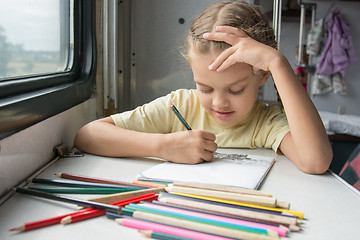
264	77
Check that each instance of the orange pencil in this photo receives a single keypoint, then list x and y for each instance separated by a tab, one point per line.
148	184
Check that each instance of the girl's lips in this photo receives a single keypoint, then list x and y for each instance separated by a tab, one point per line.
222	115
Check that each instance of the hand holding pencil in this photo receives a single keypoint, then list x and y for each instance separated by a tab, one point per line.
190	147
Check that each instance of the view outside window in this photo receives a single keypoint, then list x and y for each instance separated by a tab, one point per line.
36	37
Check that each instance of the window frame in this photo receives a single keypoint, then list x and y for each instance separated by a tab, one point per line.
29	100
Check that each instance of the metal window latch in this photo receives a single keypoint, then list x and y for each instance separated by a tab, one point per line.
64	152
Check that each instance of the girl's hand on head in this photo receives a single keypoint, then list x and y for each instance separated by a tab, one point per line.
243	50
190	147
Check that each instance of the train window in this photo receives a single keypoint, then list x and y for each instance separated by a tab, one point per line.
47	59
36	37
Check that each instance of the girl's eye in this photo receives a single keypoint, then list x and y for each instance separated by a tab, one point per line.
235	92
205	90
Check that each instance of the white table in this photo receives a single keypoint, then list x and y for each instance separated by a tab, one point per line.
331	207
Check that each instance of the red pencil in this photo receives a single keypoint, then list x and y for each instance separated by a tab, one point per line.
95	180
95	212
88	212
44	222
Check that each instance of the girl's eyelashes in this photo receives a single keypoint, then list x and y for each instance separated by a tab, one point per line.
235	92
205	90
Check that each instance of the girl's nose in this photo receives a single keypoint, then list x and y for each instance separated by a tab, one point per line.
220	101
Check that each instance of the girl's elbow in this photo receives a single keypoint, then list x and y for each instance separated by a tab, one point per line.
318	164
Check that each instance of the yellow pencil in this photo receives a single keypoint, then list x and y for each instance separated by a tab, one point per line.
300	215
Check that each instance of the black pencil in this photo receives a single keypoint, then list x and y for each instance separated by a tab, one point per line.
80	202
82	184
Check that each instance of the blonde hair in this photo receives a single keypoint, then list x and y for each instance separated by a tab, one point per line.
239	14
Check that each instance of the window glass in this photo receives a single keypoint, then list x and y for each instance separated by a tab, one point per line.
36	37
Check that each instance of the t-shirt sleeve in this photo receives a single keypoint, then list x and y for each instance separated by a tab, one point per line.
153	117
273	128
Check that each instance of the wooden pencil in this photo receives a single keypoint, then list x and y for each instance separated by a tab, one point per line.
252	199
88	212
81	184
246	205
238	212
96	180
95	212
83	203
145	225
149	184
162	236
221	188
293	228
279	230
121	196
43	222
80	190
132	208
201	227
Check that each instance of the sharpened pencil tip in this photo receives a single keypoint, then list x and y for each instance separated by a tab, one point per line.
146	233
66	220
19	228
119	220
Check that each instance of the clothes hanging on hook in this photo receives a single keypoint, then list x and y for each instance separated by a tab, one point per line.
315	38
339	49
336	56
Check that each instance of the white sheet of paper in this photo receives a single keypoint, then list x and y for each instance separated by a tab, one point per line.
247	173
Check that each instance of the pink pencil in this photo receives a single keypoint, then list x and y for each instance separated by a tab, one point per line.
143	225
279	230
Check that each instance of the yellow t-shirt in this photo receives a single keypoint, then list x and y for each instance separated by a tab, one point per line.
264	126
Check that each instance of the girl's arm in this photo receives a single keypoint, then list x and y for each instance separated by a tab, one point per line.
306	144
102	137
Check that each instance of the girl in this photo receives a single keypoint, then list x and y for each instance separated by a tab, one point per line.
232	52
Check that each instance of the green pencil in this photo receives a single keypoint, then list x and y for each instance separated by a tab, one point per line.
131	208
180	117
78	190
162	236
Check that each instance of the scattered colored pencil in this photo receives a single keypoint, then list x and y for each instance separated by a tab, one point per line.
238	212
95	180
133	208
245	198
144	225
200	227
220	188
288	212
81	184
89	213
149	184
279	230
42	223
94	213
82	203
162	236
121	196
79	190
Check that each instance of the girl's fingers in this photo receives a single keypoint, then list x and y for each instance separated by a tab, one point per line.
231	30
226	34
221	37
224	60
